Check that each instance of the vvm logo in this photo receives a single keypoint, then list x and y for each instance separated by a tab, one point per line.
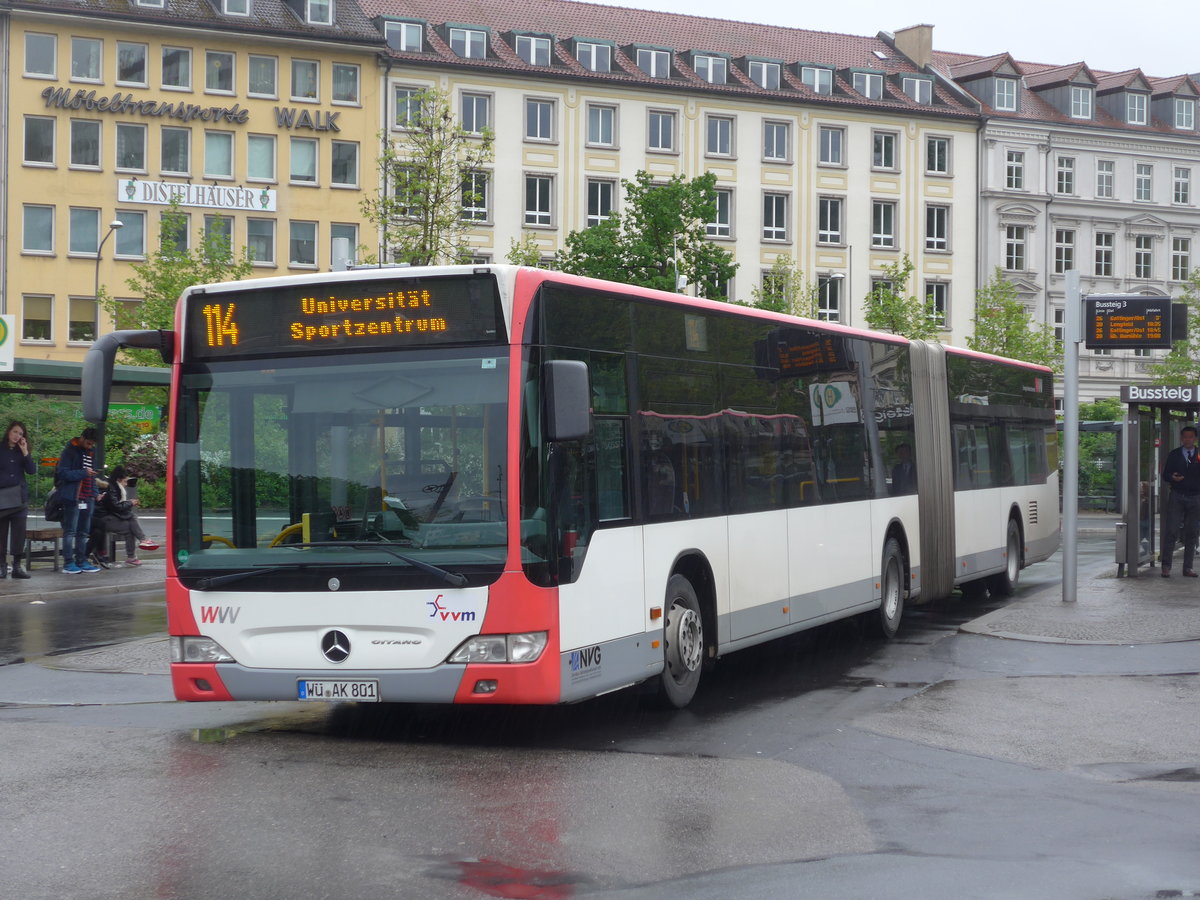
448	615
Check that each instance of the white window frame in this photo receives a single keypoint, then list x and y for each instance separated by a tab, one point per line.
272	64
817	79
96	127
937	228
600	190
1082	102
765	74
829	298
937	295
468	43
405	97
1136	108
48	321
919	90
1181	186
306	76
219	58
831	152
411	36
1064	250
334	157
1185	114
1143	182
539	200
719	139
269	239
351	230
722	224
937	150
711	69
48	54
654	63
318	12
43	123
1102	258
1064	175
868	84
42	229
775	216
470	104
1143	256
480	210
212	142
831	220
1016	246
235	7
596	125
1005	95
345	69
130	240
124	130
1106	170
142	50
656	119
1181	258
1014	170
186	135
301	177
94	59
77	314
540	116
772	128
885	151
883	224
593	56
83	221
261	140
535	51
185	67
296	235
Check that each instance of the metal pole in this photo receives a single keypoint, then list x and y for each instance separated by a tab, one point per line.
1070	518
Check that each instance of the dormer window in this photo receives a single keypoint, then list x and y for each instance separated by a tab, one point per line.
1006	95
1185	113
817	80
158	4
713	69
534	50
319	12
1081	102
468	43
229	7
1135	109
594	57
764	74
869	84
407	37
919	89
655	63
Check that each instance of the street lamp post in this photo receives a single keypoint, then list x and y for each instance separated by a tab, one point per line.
112	226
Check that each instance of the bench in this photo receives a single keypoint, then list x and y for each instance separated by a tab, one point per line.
43	536
1106	502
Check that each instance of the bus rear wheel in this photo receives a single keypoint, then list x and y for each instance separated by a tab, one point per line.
683	644
1004	584
885	621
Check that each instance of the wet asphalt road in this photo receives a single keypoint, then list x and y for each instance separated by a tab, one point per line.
826	765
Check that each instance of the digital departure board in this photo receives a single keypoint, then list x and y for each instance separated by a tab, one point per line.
339	316
1132	321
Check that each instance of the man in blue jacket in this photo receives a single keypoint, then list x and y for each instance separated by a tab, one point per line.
77	479
1181	472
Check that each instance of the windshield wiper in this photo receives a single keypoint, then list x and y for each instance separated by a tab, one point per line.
213	581
454	579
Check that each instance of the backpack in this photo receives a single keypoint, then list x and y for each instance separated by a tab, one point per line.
54	506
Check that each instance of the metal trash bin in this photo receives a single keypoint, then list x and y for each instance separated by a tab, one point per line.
1122	550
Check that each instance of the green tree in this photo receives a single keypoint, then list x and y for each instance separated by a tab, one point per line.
785	289
659	241
432	179
890	307
524	252
1182	364
1003	327
162	278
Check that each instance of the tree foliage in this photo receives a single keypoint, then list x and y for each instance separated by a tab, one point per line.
1003	326
1182	364
659	241
785	289
524	252
428	175
890	307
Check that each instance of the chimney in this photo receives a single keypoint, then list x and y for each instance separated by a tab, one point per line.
916	42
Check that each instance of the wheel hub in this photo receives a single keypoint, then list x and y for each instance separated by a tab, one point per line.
685	642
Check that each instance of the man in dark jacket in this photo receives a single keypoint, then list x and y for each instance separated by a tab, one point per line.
76	478
1181	472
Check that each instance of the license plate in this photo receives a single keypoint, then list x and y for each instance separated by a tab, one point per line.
340	689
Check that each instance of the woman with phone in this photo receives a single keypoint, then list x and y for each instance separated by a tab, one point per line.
16	462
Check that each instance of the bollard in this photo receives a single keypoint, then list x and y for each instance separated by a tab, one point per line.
1122	551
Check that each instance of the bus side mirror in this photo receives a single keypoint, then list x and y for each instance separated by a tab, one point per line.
568	400
98	365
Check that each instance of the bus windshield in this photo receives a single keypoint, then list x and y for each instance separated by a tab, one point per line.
361	459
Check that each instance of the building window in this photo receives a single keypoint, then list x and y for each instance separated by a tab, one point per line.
260	240
37	316
1104	178
1014	248
655	63
919	89
937	156
304	161
600	200
1081	102
343	245
777	143
176	147
85	143
1064	175
407	37
775	217
131	238
817	80
235	7
81	319
344	160
345	83
1143	182
764	74
719	138
1182	190
1143	256
39	141
37	233
475	196
408	107
131	147
306	78
1104	253
883	224
1014	170
662	131
937	228
176	68
41	55
218	72
883	154
302	243
1060	325
219	228
218	154
1064	250
601	125
937	299
319	12
1006	94
1181	258
534	50
539	120
832	141
264	76
1135	109
869	85
722	224
260	157
468	43
829	220
713	69
1185	113
594	57
173	235
829	298
131	64
86	59
538	189
476	113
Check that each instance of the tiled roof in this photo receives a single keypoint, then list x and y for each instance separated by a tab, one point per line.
268	17
1132	79
985	65
1071	72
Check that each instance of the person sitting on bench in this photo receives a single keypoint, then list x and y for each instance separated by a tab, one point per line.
116	513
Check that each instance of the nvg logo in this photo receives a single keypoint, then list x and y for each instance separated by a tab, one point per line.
584	659
448	615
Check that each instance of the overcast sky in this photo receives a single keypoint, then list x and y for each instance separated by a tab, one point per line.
1105	34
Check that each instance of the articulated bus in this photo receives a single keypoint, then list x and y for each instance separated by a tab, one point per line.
492	484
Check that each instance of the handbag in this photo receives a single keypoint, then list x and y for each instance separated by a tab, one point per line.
53	511
10	497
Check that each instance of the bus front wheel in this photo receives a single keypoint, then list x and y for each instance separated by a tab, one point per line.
1004	584
683	643
885	621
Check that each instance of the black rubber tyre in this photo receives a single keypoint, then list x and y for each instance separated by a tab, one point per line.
974	590
885	621
683	644
1004	584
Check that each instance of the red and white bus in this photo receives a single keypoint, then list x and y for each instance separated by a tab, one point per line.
491	484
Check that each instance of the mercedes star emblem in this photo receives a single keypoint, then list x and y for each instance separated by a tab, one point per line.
336	646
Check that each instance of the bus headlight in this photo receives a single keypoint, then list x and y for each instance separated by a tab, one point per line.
501	648
198	650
